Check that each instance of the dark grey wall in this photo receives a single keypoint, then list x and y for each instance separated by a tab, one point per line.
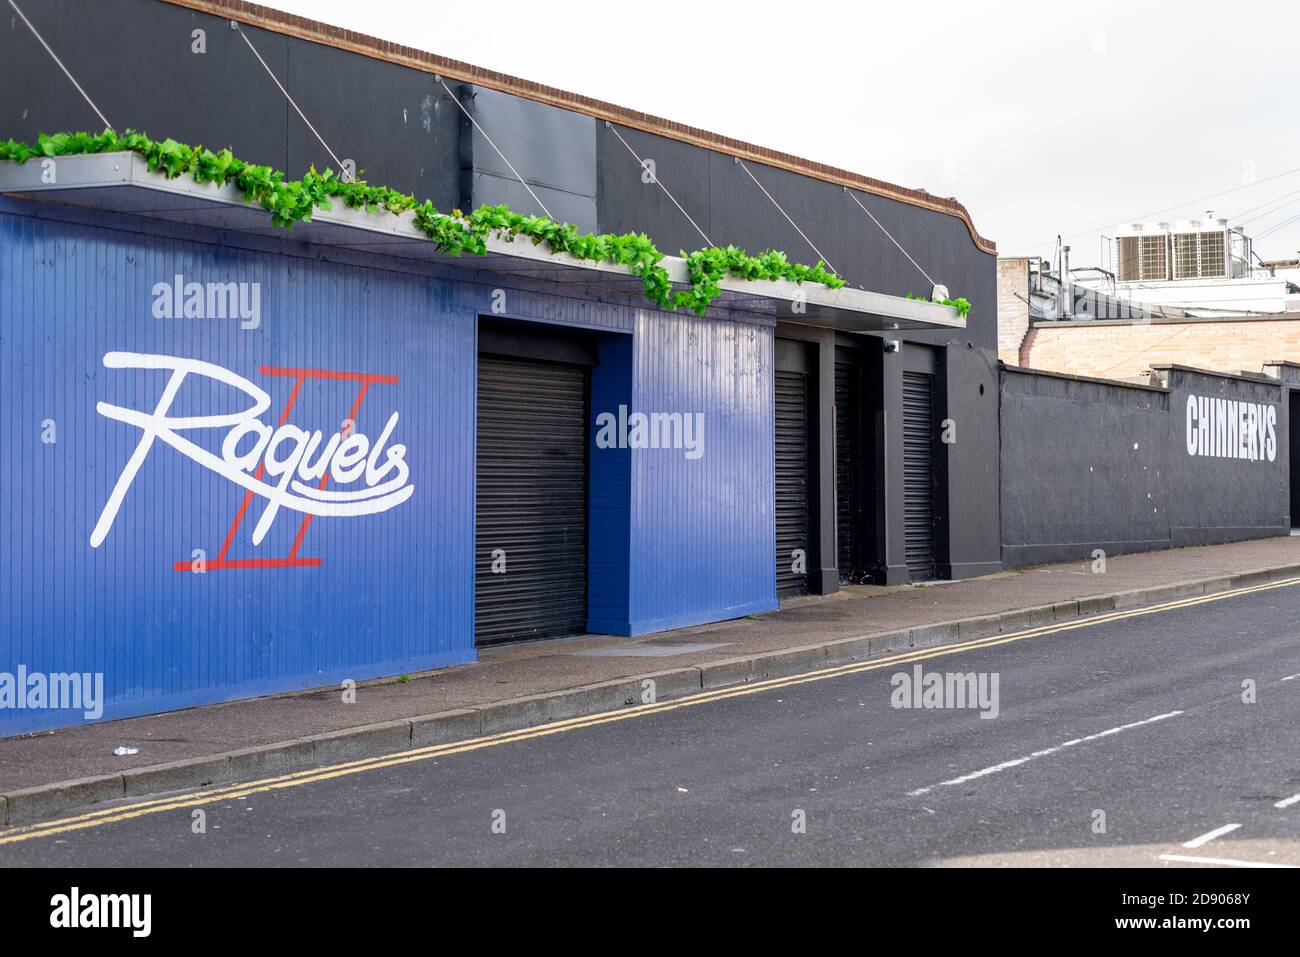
1222	499
970	394
727	205
134	59
558	147
1088	464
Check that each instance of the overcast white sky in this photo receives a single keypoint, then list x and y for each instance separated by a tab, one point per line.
1042	118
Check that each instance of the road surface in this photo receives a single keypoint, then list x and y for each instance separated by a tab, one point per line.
1156	739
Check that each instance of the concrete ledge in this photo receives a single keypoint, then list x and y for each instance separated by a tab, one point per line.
780	664
176	776
1096	605
1131	599
630	692
976	627
1018	620
1174	592
730	671
941	634
353	743
525	712
622	693
1065	609
845	650
675	683
270	760
445	727
1261	577
51	800
249	764
1034	617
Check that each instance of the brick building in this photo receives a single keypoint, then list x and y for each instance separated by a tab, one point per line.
1124	348
1117	339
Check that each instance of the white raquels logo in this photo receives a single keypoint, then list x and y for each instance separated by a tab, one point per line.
291	459
1228	429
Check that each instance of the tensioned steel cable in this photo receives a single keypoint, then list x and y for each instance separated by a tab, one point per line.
891	236
1157	212
654	175
1241	222
470	117
1272	229
66	71
741	164
1270	212
235	26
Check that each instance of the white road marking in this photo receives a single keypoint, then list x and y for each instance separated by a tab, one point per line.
1016	762
1291	677
1207	838
1287	802
1221	861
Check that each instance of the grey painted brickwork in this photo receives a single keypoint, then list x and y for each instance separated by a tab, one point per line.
1089	464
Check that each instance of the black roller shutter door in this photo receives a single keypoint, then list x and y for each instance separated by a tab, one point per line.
918	474
848	473
532	500
791	480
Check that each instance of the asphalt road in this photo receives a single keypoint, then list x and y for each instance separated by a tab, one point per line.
1141	720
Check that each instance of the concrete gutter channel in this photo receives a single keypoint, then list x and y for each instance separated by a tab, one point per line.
29	805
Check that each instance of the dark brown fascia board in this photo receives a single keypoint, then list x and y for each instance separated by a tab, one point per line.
315	31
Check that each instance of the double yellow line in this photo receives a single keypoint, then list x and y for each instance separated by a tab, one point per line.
126	812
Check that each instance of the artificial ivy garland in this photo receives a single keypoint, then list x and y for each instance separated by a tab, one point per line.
291	201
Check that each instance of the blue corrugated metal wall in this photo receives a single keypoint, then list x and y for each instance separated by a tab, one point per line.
703	530
393	591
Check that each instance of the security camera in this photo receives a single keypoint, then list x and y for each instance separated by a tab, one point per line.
892	345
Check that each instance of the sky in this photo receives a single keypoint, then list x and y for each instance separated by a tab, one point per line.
1042	118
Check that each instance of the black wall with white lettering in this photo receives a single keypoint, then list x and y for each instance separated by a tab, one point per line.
1091	464
1238	487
